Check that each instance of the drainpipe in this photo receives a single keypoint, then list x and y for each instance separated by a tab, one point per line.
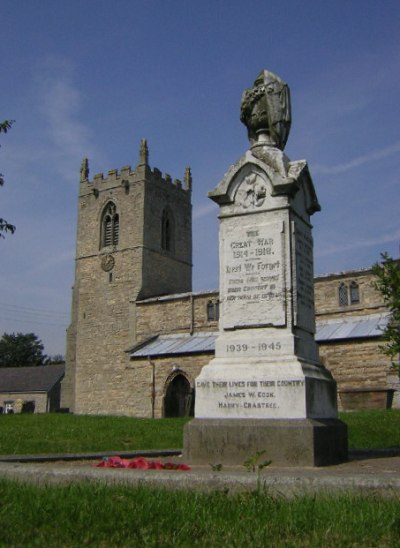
153	386
191	314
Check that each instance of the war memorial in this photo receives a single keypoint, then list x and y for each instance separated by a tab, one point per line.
266	389
142	343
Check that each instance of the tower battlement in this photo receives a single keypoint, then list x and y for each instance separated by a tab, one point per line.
126	176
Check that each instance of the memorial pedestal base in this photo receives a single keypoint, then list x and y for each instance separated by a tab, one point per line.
286	442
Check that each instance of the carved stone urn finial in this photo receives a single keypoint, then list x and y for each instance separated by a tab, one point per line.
265	110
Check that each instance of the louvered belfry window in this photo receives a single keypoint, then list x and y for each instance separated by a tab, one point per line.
115	234
109	226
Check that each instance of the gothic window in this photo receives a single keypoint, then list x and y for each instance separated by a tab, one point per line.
354	293
349	294
109	226
213	311
343	296
167	230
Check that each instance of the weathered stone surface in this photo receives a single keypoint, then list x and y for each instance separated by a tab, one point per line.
266	364
267	320
265	109
256	389
300	442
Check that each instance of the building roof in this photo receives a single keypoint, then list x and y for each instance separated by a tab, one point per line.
176	296
353	327
178	343
30	379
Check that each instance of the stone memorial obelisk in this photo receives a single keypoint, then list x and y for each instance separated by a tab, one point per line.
266	389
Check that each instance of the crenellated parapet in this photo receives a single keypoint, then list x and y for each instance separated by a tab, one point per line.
126	177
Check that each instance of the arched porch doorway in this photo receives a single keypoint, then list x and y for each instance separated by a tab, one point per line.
179	398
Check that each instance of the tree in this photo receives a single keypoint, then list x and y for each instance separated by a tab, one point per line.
56	359
20	350
4	225
387	282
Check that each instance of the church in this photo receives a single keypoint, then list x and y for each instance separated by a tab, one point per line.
139	336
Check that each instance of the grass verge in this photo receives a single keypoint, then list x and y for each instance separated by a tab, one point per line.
96	515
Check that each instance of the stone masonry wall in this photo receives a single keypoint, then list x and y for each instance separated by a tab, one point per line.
139	378
359	365
355	364
326	290
173	314
40	400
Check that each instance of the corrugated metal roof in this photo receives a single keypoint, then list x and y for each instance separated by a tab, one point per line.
180	343
353	327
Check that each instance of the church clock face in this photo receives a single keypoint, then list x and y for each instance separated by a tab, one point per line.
107	263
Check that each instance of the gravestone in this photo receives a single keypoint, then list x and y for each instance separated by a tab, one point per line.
266	390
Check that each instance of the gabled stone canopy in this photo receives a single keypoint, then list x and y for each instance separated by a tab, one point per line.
288	181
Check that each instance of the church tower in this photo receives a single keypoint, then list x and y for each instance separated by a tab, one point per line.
134	241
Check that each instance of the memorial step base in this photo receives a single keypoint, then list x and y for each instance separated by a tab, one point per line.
286	442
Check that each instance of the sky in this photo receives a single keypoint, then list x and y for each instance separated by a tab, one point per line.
91	78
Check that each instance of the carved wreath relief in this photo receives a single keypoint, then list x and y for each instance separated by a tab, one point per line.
252	192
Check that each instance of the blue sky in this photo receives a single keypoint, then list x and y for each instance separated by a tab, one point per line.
93	77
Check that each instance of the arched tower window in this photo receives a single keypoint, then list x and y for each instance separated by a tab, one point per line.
354	293
343	295
167	231
109	226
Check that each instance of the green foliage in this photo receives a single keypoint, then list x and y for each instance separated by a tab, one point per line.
21	350
251	464
57	358
4	225
387	283
6	125
94	514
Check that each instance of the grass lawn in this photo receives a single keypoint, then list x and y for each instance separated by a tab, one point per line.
373	429
95	515
59	433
